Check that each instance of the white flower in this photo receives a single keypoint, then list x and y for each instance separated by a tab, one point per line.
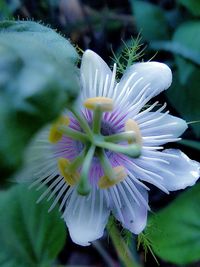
109	148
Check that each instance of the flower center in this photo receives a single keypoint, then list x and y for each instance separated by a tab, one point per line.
107	129
96	138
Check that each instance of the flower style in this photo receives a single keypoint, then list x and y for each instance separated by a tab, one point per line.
100	156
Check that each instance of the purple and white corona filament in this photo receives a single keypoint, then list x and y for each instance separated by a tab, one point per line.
96	158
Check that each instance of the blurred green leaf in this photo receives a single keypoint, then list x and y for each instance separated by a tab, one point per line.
150	20
175	231
192	5
190	143
178	49
188	36
4	10
7	8
29	235
184	94
38	79
185	98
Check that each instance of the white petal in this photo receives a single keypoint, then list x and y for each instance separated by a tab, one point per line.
96	76
172	170
163	125
86	217
186	171
145	80
39	162
132	214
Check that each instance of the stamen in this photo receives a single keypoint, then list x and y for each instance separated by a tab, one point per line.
97	120
54	134
132	150
84	187
83	123
69	169
128	136
105	104
132	125
71	177
119	175
73	134
105	163
111	175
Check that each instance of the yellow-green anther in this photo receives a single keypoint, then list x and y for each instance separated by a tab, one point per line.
132	125
64	168
54	134
119	175
104	103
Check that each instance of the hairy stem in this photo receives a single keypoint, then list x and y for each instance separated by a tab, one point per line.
121	247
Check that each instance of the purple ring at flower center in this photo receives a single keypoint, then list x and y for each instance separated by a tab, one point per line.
70	149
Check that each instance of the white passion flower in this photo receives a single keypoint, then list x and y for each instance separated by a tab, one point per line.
97	156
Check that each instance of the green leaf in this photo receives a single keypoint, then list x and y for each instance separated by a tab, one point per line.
190	143
188	36
38	80
192	5
175	231
30	32
178	49
29	235
185	98
150	20
184	94
7	8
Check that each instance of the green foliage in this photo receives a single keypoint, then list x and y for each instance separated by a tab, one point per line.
192	5
180	49
8	7
144	242
129	53
190	143
185	45
186	86
150	20
174	232
29	235
188	99
38	79
127	236
188	35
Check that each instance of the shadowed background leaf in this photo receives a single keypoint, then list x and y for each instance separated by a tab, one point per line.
185	87
29	235
152	23
38	79
174	232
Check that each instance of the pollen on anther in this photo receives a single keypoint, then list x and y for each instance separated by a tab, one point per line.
64	168
104	103
119	175
132	125
54	134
